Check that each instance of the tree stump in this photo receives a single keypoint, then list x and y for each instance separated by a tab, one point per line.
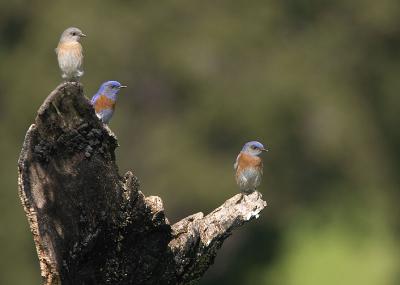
92	226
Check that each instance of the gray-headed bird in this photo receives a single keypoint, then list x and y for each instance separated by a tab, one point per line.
70	54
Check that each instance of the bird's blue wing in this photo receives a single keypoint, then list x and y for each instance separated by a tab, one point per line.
94	98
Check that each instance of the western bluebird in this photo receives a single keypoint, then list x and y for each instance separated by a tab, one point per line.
104	100
249	167
69	53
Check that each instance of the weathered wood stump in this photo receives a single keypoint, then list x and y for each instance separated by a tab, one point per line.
91	225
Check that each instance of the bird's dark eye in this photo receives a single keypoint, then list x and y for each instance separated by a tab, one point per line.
74	33
253	147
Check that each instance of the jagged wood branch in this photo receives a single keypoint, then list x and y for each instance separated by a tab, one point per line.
92	226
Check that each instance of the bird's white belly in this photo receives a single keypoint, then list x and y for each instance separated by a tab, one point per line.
249	179
105	115
69	63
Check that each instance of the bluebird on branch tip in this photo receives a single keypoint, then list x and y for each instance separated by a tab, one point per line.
104	100
69	54
249	166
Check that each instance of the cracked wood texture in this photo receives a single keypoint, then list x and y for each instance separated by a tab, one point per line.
93	226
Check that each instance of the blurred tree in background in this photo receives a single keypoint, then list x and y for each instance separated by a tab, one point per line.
316	81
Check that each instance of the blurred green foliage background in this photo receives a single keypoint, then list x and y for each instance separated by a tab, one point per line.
316	81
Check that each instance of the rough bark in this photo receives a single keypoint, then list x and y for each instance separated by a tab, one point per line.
91	225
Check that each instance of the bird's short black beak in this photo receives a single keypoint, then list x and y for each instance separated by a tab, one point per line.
82	35
265	149
123	86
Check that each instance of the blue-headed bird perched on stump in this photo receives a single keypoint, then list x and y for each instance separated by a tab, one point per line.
104	100
249	166
70	54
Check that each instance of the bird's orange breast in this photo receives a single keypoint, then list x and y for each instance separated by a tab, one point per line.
245	161
103	102
73	48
